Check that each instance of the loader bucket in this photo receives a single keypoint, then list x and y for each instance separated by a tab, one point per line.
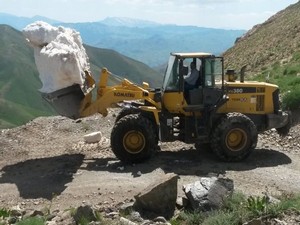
66	101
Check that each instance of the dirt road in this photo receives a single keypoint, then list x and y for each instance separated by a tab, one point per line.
46	161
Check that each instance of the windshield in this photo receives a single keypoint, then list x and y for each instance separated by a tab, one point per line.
211	72
171	82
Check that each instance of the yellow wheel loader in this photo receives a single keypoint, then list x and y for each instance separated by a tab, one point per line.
218	111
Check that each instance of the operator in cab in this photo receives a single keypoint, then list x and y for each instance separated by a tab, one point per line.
191	79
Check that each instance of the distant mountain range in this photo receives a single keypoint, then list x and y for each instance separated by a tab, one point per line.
128	22
142	40
20	99
19	22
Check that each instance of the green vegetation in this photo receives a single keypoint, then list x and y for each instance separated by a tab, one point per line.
275	40
257	205
20	100
122	66
32	221
291	100
287	76
238	209
4	213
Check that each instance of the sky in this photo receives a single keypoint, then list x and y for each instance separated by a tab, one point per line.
228	14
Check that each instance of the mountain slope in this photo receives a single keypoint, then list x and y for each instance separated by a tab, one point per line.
152	44
275	43
122	66
20	99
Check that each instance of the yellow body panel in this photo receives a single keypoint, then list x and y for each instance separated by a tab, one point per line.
249	98
109	96
174	102
246	97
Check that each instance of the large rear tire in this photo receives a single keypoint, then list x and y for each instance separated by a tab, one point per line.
234	138
133	138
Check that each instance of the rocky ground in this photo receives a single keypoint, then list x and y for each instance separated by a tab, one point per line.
46	163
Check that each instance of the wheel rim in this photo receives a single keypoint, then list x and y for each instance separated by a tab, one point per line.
236	139
134	142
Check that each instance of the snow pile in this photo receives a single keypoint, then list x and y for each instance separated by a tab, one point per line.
59	55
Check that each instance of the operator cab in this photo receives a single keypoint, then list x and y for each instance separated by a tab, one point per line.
187	112
175	94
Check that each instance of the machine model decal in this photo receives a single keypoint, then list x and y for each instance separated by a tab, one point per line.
241	90
124	94
239	99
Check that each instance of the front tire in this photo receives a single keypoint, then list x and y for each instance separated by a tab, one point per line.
234	138
133	139
126	111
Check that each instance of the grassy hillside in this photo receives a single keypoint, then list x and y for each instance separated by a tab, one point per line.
123	66
272	52
19	83
20	100
274	43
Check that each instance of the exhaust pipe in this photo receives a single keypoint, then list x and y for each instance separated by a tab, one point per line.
243	69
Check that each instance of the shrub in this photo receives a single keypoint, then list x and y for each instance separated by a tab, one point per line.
291	100
32	221
237	209
4	213
232	212
294	81
257	205
292	70
189	218
288	203
223	218
296	56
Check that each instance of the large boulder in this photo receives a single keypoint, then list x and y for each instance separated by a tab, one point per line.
208	193
59	55
160	197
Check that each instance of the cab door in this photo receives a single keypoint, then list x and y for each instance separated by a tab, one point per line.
172	91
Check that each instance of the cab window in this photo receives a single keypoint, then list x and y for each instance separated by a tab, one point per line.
213	71
171	82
